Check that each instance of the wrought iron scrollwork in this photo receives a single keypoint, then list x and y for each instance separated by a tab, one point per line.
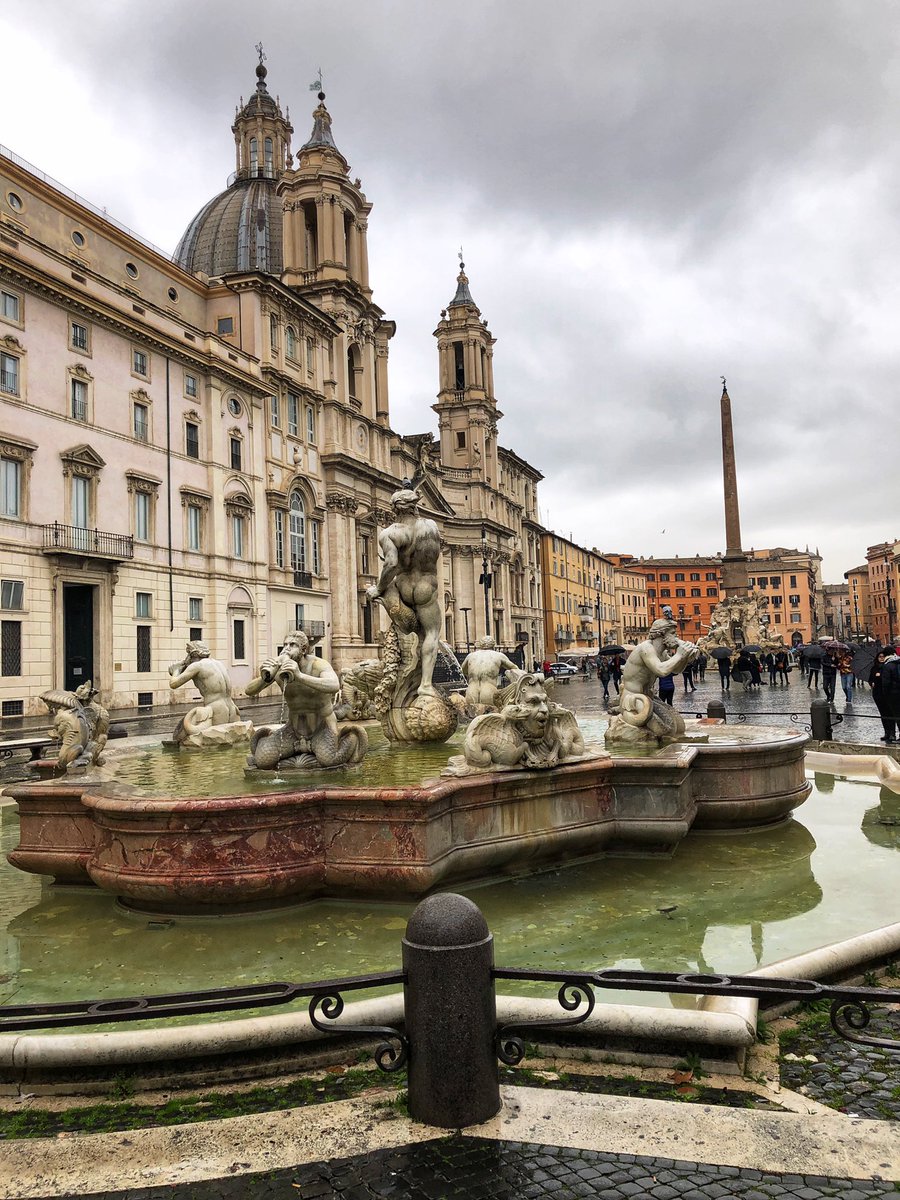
389	1055
572	995
850	1016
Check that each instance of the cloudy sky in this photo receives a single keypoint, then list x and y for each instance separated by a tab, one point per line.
650	194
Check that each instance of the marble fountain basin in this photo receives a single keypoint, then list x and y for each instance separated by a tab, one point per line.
351	834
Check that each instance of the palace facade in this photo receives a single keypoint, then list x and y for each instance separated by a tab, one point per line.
200	447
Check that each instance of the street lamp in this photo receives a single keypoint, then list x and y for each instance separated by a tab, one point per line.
597	582
465	612
485	580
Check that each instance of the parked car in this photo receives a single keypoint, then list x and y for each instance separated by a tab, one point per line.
562	668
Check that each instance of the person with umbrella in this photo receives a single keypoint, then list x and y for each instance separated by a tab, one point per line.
813	656
722	655
845	669
829	676
875	681
890	695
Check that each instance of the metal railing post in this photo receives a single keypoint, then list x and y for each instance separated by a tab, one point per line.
820	720
450	1014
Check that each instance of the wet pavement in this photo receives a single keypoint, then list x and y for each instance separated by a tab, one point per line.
484	1169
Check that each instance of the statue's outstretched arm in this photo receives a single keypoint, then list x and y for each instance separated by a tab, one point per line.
257	685
390	564
184	676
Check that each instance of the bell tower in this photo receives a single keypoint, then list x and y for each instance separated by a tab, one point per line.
466	408
262	134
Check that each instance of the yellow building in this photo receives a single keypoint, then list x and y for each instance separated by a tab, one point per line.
792	580
860	601
579	598
631	599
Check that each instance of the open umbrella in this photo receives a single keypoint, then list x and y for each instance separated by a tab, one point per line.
753	649
612	650
812	653
833	645
720	652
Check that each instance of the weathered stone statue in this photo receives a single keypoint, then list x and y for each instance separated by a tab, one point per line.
639	718
742	621
530	732
80	724
357	696
216	721
408	706
482	669
311	736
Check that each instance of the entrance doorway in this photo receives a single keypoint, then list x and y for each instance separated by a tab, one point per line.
78	634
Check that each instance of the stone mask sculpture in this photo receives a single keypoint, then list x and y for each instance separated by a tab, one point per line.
530	732
311	736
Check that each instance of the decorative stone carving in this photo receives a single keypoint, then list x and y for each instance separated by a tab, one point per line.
408	706
80	724
638	717
530	732
358	684
82	460
142	483
310	737
342	503
742	621
482	669
215	722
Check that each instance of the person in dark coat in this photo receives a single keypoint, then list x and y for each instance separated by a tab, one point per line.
782	666
768	662
889	696
755	675
829	677
724	672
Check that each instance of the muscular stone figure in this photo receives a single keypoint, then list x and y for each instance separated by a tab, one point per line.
482	669
408	583
311	736
211	680
637	717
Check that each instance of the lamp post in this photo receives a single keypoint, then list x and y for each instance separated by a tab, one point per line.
485	580
465	612
597	582
888	586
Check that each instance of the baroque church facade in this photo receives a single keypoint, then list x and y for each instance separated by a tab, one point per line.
200	446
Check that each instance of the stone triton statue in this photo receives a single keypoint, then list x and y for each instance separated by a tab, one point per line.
639	718
80	724
311	736
216	721
482	669
407	703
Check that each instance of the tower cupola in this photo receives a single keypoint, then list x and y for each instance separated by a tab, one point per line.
262	133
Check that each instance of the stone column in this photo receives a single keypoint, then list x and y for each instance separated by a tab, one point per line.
342	556
340	246
324	228
363	255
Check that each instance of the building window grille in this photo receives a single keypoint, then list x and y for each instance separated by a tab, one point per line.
235	452
141	422
9	374
190	385
275	410
278	517
191	439
143	650
293	414
139	363
310	423
10	647
239	640
12	708
79	336
79	410
297	524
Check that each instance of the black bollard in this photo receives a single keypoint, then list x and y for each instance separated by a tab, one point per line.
715	708
820	720
451	1014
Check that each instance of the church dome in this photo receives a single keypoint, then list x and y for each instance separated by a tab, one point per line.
238	230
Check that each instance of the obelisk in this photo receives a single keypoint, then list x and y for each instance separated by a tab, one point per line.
735	578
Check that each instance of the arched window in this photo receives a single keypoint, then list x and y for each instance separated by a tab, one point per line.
298	532
269	158
254	156
354	371
290	342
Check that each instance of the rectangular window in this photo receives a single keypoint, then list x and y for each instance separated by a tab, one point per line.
237	536
710	576
679	576
190	384
191	439
12	593
273	332
299	615
79	400
293	414
9	374
195	633
225	326
275	412
279	537
651	592
139	363
235	448
143	648
793	581
141	517
664	576
364	555
240	648
665	592
679	591
316	561
78	335
775	580
310	355
9	306
194	526
310	423
81	501
712	591
142	422
10	488
695	591
195	608
10	647
142	603
796	618
695	576
460	439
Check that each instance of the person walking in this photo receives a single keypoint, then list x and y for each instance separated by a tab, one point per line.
769	663
615	671
604	675
875	684
845	669
724	673
688	676
741	670
812	671
890	695
755	674
701	666
667	689
829	676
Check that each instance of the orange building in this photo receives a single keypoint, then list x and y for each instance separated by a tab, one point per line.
883	561
690	586
792	579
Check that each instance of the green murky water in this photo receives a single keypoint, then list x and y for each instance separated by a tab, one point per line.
741	899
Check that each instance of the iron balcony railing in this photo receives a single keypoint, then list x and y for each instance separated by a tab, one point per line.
314	629
73	539
303	579
9	383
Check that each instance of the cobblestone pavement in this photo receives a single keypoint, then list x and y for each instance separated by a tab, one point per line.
482	1169
860	722
860	1080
